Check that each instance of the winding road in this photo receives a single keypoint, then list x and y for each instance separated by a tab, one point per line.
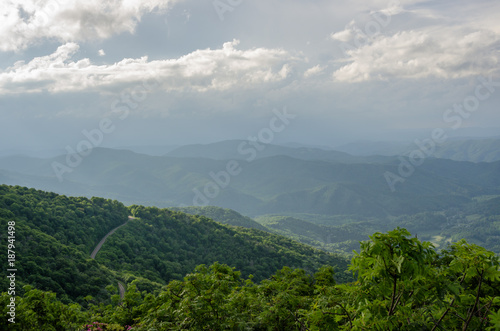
99	245
121	288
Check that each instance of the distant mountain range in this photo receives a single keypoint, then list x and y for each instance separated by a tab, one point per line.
471	149
259	179
484	150
245	150
457	149
365	148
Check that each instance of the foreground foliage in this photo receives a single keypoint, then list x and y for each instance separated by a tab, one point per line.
402	284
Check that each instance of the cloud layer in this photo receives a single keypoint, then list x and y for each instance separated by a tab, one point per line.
347	68
417	43
201	70
26	22
448	54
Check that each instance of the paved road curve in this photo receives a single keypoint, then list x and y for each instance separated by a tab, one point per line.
121	288
99	245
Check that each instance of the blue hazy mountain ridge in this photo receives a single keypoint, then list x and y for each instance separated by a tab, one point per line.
457	149
244	149
366	148
153	150
271	184
483	150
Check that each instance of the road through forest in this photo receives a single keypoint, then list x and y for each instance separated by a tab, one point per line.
99	245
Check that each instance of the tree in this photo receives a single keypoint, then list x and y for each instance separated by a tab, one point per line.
392	274
39	310
473	277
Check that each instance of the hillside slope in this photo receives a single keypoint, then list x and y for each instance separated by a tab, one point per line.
161	244
223	215
55	236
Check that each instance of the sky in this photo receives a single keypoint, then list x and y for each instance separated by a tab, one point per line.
173	72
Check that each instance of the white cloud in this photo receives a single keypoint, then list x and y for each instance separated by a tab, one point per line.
26	22
345	35
444	53
101	52
418	43
316	70
201	70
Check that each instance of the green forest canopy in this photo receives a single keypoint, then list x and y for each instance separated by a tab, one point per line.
402	284
397	281
56	234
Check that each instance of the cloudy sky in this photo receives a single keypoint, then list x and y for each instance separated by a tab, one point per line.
168	72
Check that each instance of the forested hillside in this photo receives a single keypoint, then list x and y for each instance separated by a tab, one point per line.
55	235
162	245
402	284
53	240
223	215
